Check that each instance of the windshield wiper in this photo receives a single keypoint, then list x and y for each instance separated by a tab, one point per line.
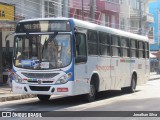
51	37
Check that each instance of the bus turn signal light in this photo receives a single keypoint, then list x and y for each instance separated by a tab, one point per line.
62	89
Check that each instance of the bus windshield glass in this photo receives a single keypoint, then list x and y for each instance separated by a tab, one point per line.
36	51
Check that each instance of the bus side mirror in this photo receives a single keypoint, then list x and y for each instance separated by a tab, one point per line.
7	47
80	48
78	38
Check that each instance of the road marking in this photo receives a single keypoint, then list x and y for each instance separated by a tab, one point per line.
7	109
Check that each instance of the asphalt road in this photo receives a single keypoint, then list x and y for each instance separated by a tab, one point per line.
146	98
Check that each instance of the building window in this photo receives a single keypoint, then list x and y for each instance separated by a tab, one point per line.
106	20
113	1
122	24
113	23
121	1
50	8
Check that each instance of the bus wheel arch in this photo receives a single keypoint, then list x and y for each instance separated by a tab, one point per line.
133	82
95	80
134	75
94	86
132	87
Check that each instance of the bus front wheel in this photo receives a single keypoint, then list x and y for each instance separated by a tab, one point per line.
90	97
43	97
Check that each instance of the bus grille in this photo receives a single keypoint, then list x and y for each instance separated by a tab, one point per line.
42	81
40	75
39	88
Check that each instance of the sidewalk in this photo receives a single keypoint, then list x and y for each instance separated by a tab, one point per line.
154	76
7	95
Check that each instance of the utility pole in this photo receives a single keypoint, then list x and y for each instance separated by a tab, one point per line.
158	46
92	4
140	19
1	70
65	4
82	11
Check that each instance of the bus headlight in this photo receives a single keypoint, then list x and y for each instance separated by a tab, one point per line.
18	79
64	79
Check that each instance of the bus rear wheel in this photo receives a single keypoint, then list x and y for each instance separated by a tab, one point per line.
90	97
132	87
43	97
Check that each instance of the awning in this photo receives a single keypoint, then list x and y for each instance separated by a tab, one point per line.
152	56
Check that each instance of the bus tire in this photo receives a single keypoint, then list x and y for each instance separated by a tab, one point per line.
43	97
132	87
90	97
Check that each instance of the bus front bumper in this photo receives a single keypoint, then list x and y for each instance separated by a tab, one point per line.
46	89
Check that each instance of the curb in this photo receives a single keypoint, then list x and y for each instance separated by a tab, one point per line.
16	97
154	78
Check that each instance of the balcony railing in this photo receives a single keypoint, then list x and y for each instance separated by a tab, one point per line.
134	14
148	18
107	6
78	4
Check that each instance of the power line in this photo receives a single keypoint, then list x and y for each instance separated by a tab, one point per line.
106	23
72	13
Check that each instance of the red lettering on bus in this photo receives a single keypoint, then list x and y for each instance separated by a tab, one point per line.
139	66
104	68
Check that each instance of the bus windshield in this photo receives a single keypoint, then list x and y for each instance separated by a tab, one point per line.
36	51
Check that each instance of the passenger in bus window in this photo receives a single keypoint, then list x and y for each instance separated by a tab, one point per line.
66	51
50	53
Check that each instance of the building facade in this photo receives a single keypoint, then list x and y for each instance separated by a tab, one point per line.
137	18
80	9
103	12
154	8
110	10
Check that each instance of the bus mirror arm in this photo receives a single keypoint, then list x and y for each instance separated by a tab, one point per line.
77	43
8	42
7	47
77	38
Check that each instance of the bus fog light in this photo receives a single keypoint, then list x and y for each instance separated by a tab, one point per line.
25	89
64	78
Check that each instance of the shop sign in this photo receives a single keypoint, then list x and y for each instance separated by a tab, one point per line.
7	12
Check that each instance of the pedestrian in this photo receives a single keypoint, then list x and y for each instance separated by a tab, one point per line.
10	77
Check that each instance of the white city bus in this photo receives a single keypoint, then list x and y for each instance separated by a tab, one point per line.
65	56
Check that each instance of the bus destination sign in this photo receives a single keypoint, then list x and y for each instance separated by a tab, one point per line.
43	26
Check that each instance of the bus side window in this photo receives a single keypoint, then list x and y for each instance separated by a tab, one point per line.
80	50
92	42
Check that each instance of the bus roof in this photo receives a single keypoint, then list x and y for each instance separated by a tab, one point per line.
51	18
96	27
93	26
